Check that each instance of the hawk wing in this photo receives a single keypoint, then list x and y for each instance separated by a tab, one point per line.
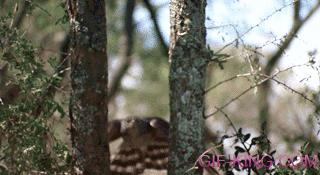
145	145
114	128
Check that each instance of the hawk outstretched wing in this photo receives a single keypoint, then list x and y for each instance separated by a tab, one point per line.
145	145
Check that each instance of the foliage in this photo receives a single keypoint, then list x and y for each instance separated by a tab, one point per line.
254	155
27	143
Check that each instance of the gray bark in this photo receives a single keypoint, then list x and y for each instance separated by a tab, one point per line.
89	78
189	57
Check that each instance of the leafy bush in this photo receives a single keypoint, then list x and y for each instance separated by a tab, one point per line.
26	142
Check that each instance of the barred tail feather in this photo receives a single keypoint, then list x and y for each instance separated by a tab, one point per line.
157	156
127	162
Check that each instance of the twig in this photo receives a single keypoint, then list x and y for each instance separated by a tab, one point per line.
290	88
297	25
226	80
228	118
235	129
251	87
253	27
238	135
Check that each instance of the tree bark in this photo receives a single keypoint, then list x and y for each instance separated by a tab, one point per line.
188	58
89	78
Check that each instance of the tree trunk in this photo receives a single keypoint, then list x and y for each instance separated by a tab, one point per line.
89	78
188	57
263	102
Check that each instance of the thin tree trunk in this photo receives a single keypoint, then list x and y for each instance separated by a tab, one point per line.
89	78
188	57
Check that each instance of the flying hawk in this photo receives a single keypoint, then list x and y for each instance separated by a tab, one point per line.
145	145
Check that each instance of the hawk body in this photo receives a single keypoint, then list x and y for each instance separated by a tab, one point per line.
145	145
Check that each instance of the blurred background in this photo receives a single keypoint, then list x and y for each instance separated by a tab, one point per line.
247	33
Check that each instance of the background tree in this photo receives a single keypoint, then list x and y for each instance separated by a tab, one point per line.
89	78
188	57
273	59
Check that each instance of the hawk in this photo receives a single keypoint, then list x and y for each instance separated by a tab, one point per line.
145	145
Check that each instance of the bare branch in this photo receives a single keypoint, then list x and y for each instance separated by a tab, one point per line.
235	129
229	119
226	80
235	98
126	47
153	16
290	88
252	87
297	9
273	60
297	25
253	27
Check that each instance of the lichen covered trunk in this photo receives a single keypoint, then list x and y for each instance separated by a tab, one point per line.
188	58
89	78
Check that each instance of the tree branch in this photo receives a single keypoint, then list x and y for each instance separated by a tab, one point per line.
153	16
297	25
261	82
298	22
290	88
297	7
20	13
126	47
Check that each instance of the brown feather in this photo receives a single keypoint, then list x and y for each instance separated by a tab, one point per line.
114	130
145	145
